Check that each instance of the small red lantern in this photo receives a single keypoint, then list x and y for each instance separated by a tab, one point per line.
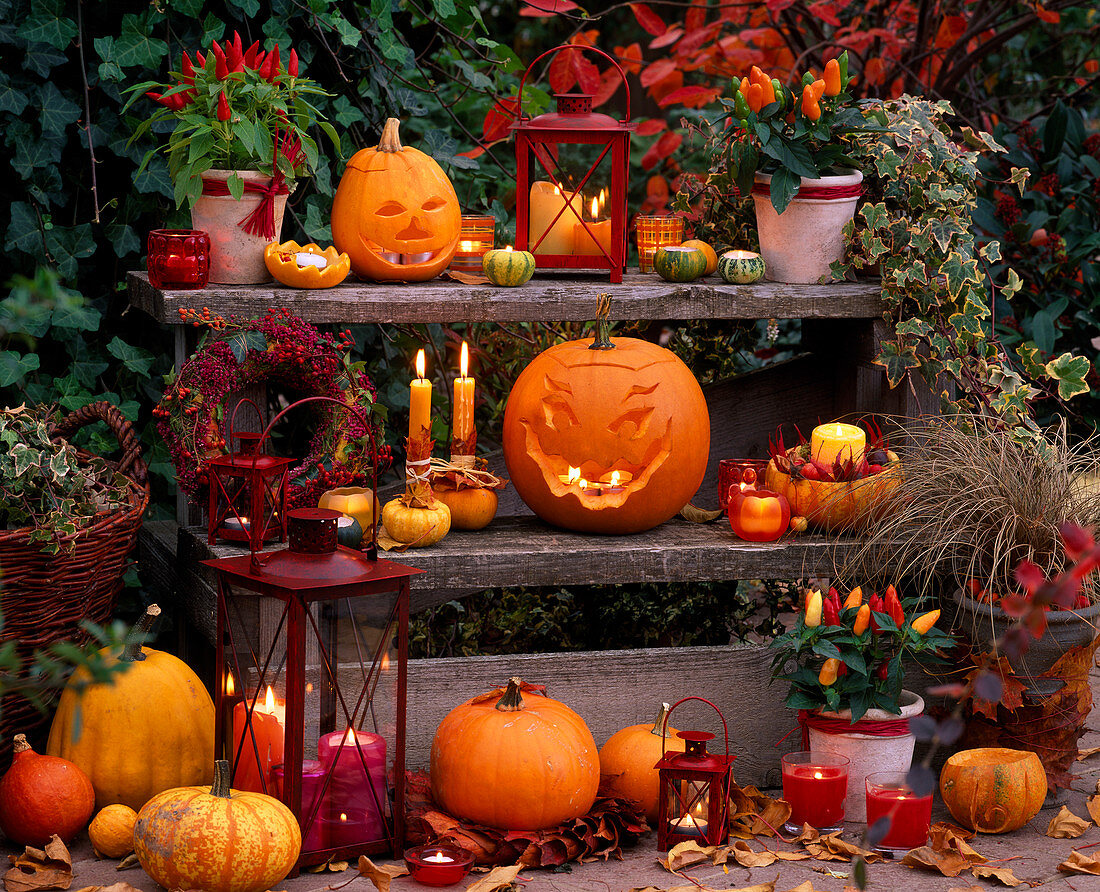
756	515
247	491
695	788
555	221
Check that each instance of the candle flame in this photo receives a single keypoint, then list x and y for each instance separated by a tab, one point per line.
309	688
349	737
595	208
466	247
269	703
464	362
614	478
557	189
385	662
230	687
420	363
818	775
343	817
582	483
574	475
509	249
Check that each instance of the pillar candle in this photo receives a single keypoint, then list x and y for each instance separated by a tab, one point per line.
314	838
837	440
546	200
583	242
420	400
355	501
268	723
463	400
353	800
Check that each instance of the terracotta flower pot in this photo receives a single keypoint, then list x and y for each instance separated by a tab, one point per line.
236	257
799	244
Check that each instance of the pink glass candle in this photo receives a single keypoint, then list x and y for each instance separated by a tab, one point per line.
313	779
355	803
253	767
732	471
438	864
889	796
815	784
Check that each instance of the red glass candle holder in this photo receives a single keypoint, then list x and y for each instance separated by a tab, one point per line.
731	471
178	259
438	864
815	786
890	797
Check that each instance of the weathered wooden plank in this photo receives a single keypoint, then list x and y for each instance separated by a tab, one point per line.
562	298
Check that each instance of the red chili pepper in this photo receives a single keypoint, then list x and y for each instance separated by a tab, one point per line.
260	56
201	59
172	102
187	68
292	65
238	46
265	69
830	616
893	606
275	62
877	604
221	69
223	107
834	596
882	671
809	471
234	55
250	55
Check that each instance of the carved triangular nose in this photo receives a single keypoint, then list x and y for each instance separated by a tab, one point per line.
413	231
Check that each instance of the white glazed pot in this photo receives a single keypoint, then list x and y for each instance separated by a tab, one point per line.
866	753
236	257
799	244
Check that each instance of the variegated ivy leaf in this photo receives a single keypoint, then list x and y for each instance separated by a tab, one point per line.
1013	284
1069	371
1019	177
1030	356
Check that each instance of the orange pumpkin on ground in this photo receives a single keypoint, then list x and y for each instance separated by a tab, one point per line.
112	831
627	760
514	759
43	795
394	200
992	789
845	505
218	840
600	411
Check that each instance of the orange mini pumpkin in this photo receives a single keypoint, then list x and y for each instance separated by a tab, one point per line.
627	760
395	202
606	436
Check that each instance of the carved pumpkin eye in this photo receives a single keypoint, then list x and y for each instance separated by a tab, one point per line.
639	418
390	209
434	204
558	413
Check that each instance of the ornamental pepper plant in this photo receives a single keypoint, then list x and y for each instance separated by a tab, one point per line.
234	109
846	652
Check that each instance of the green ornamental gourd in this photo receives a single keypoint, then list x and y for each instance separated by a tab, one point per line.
507	267
741	267
679	263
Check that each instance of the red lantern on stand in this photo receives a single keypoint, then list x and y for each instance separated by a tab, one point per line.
695	789
324	736
247	491
560	223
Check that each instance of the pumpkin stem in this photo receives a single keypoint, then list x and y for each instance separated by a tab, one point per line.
512	701
20	745
602	340
391	139
221	779
131	653
659	723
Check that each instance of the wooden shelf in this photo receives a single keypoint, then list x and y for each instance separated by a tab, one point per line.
558	297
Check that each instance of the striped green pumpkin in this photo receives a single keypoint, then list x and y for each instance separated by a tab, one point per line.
679	264
741	267
508	267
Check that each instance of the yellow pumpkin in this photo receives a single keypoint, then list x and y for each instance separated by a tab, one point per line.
416	527
395	213
158	707
112	831
993	790
708	252
217	839
627	760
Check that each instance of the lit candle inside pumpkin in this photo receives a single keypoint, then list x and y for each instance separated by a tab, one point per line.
463	401
420	400
837	441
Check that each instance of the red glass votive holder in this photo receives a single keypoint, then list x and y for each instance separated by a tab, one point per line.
731	471
438	863
890	796
815	786
178	259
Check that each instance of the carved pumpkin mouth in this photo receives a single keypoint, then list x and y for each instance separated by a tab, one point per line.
398	259
596	485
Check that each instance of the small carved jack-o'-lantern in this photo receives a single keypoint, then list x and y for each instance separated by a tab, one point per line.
396	214
606	436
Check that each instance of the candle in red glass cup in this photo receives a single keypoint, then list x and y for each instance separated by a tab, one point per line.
889	796
178	258
354	804
438	864
731	471
815	784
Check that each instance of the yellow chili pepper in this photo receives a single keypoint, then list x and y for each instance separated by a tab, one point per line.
863	620
289	263
828	672
832	77
813	609
925	621
854	599
810	108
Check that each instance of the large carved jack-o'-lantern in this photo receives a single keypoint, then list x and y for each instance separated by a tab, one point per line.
605	436
395	213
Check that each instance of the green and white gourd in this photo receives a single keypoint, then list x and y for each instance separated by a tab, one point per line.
507	267
679	263
741	267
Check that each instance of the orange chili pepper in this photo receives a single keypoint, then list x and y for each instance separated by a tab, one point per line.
810	108
863	620
828	672
925	621
854	599
832	77
757	76
755	97
745	88
818	87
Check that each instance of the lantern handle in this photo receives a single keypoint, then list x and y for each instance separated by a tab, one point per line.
574	46
233	417
664	727
372	550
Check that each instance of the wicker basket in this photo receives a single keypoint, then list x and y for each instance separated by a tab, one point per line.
45	597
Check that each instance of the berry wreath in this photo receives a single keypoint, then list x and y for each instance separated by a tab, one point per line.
280	349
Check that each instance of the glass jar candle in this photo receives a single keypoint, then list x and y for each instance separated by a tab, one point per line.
890	797
731	472
476	239
178	259
815	786
438	863
654	233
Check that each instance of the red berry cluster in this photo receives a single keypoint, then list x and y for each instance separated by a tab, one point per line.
1091	145
1050	184
1008	211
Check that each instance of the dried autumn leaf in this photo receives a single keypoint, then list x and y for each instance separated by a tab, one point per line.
1093	806
685	854
1087	752
944	837
1066	825
950	864
759	887
753	813
693	514
807	886
380	874
837	846
497	879
967	889
1080	863
1001	874
746	857
129	862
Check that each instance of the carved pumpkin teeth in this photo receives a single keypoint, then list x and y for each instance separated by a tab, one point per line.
395	258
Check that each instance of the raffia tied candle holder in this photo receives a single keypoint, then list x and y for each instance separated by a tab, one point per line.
654	233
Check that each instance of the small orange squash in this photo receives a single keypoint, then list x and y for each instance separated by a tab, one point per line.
43	795
627	760
218	840
993	790
514	759
112	831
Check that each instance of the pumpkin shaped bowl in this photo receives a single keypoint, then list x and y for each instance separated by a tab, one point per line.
993	789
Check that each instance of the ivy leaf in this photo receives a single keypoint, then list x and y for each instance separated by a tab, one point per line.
57	112
1019	177
1069	371
12	101
134	47
1013	284
134	358
23	232
897	360
14	367
48	23
1030	356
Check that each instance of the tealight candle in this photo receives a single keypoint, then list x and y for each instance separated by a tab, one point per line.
689	825
815	785
438	863
741	267
837	441
305	258
240	525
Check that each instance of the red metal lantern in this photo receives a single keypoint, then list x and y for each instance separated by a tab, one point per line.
326	737
695	788
554	219
247	491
